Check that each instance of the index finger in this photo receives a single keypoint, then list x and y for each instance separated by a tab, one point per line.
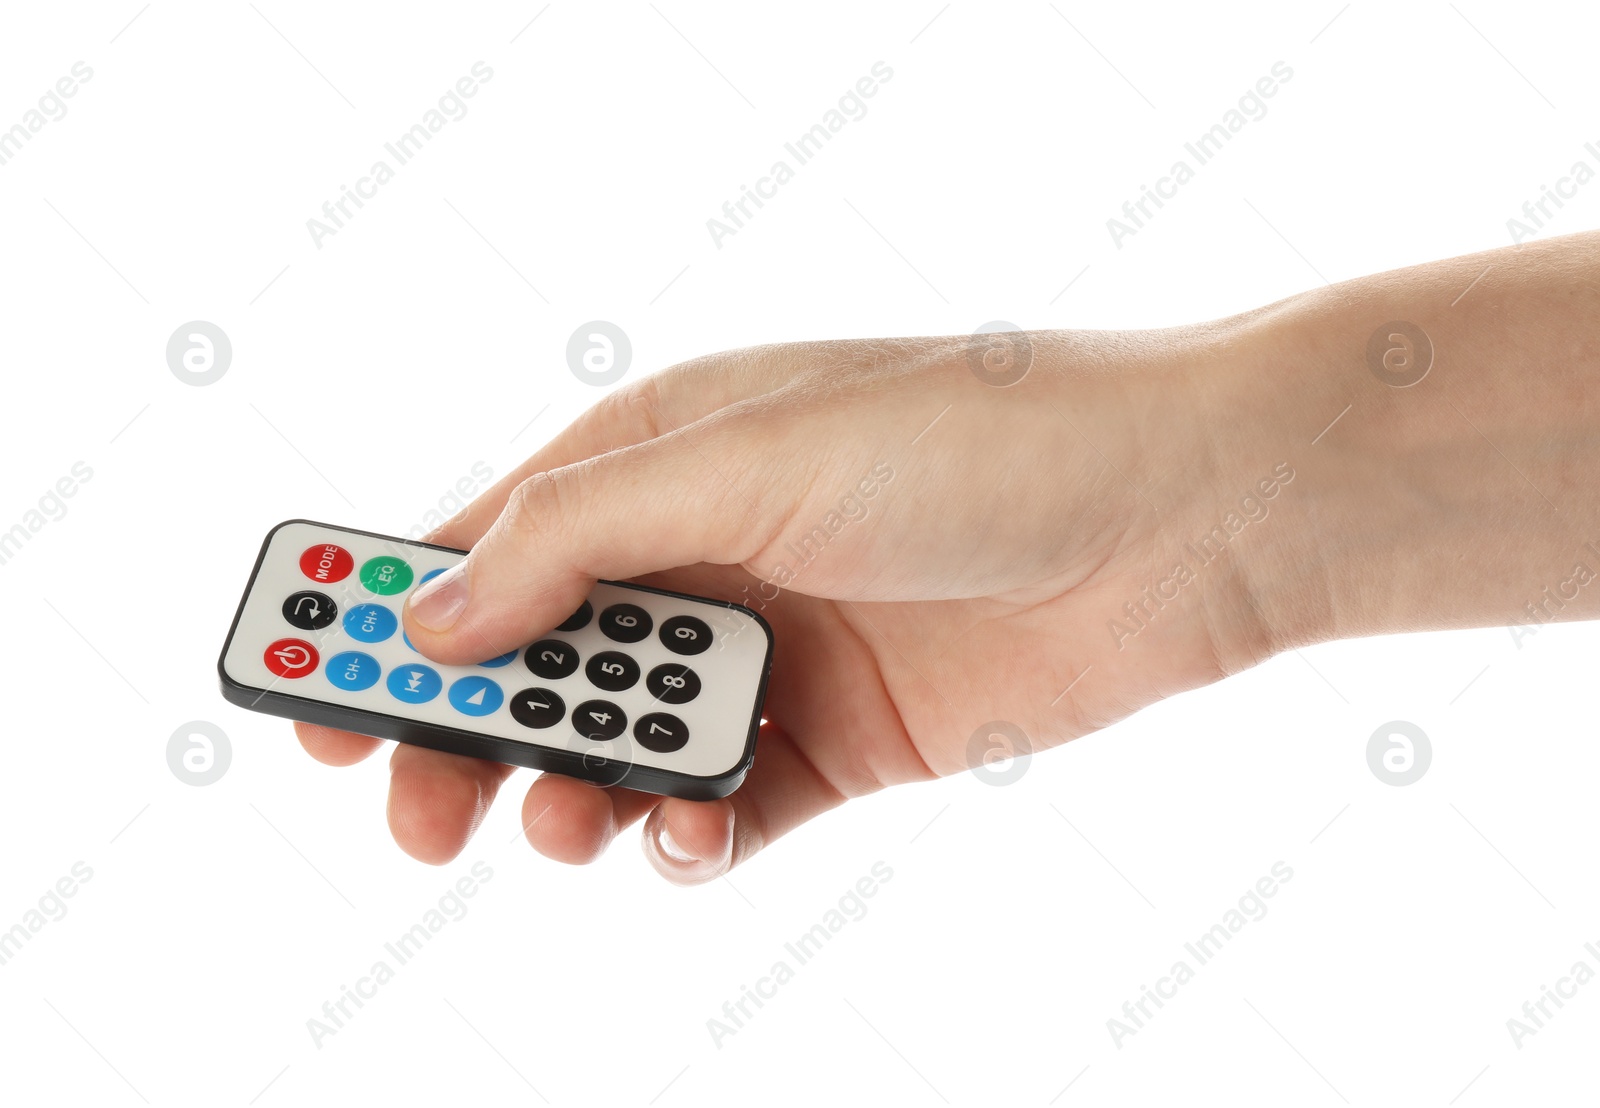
646	409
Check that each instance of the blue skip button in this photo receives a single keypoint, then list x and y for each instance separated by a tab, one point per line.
416	684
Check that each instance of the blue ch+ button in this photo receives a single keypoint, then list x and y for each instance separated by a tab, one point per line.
414	684
352	671
370	623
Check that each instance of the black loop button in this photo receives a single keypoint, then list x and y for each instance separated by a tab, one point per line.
310	611
612	671
625	622
661	732
537	708
599	719
552	659
685	635
578	620
673	683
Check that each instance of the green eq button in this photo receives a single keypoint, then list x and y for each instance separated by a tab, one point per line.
385	576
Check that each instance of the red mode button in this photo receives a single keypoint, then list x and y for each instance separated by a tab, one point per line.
326	563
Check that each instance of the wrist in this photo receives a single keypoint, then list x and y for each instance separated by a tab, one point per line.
1463	498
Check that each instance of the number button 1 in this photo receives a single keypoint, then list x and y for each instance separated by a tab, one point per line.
685	635
599	719
537	708
625	622
612	671
552	659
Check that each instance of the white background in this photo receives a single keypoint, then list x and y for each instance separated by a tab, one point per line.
369	375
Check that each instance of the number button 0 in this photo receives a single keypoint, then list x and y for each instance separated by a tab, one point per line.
673	683
625	622
661	732
578	620
685	635
612	671
599	719
552	659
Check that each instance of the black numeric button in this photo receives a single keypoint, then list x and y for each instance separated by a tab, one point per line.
625	622
612	671
537	708
578	620
310	611
685	635
599	719
673	683
661	732
552	659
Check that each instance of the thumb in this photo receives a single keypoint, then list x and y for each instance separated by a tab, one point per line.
657	505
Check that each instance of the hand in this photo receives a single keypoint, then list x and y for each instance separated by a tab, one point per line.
1142	513
933	553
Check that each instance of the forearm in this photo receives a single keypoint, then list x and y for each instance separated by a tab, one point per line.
1468	498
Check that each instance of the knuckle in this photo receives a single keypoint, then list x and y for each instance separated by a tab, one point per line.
633	412
534	508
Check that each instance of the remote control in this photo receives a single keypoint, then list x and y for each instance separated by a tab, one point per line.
653	690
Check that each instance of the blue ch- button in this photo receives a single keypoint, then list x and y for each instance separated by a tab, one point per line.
352	671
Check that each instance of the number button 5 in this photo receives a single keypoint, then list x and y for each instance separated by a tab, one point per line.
612	671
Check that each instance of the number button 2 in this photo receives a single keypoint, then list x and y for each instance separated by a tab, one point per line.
552	659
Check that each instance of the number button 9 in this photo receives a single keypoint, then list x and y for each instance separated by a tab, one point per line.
685	635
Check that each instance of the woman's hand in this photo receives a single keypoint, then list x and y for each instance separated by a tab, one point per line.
939	545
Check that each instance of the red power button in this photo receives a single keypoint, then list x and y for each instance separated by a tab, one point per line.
326	563
291	658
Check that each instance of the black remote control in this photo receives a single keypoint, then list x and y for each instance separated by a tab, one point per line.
652	690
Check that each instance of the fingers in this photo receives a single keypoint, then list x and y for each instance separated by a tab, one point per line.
574	822
437	800
690	842
650	407
335	748
693	496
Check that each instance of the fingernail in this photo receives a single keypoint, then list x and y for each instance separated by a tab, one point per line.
669	846
439	602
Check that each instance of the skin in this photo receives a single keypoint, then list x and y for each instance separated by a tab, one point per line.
990	576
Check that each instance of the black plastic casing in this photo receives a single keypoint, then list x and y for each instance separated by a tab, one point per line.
586	766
